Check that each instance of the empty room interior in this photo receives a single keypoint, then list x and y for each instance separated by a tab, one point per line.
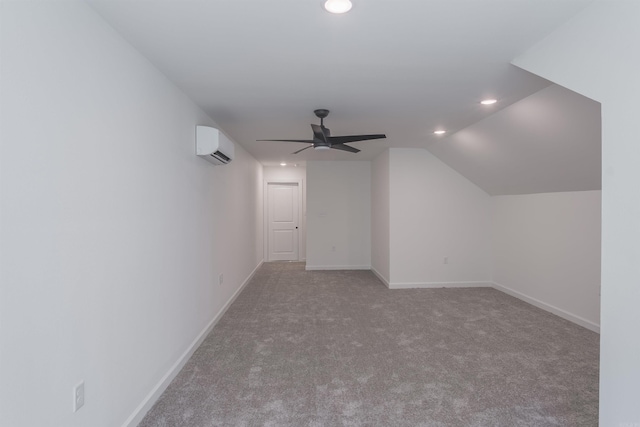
454	241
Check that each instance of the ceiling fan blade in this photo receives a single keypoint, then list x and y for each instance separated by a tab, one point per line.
308	141
354	138
296	152
345	148
319	134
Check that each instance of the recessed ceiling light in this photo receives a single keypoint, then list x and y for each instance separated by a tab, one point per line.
338	6
283	164
439	132
488	101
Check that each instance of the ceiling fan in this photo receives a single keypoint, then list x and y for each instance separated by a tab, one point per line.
322	139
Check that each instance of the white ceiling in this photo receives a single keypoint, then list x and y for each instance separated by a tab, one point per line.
401	67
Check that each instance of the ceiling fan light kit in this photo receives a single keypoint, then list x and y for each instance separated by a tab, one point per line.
322	139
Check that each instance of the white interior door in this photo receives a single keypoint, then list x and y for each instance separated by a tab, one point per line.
283	214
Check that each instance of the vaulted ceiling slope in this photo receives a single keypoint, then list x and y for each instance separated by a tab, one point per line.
403	67
548	142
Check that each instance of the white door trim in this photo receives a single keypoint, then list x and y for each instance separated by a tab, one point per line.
265	215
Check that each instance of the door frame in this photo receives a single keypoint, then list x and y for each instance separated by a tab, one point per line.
265	215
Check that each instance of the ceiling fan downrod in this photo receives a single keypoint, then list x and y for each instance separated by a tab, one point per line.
321	113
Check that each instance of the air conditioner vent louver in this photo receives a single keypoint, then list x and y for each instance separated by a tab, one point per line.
221	156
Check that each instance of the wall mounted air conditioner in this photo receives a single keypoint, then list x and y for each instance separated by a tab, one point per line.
213	145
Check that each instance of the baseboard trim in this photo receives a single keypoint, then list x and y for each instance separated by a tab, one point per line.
548	307
148	402
380	276
337	267
432	285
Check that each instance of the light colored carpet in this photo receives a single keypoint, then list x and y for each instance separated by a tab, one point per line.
337	348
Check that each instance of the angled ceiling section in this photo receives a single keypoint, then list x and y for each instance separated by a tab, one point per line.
547	142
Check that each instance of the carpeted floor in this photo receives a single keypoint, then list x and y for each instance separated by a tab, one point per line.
337	348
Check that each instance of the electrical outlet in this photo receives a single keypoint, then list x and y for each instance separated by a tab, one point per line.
333	248
446	260
221	279
78	396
